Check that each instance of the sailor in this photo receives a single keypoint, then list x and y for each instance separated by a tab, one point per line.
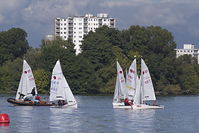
61	102
127	102
37	99
33	92
21	96
27	98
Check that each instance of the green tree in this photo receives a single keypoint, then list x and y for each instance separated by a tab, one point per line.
10	74
13	44
187	75
33	57
42	79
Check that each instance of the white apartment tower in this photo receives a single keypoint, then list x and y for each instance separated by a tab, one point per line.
76	27
188	49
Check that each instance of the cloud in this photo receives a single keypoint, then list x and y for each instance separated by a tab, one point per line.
1	18
155	12
9	10
37	16
46	10
130	3
37	10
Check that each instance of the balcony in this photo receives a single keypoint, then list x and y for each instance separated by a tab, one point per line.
70	36
70	32
70	28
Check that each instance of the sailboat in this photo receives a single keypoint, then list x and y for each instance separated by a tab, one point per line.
120	91
26	88
144	88
60	90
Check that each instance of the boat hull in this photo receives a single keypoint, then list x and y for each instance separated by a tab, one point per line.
136	106
28	103
65	106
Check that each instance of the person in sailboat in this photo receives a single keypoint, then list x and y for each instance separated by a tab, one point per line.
28	97
127	102
33	92
61	102
37	99
21	96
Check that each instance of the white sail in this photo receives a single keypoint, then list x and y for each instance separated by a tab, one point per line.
27	81
131	80
59	89
146	83
138	97
120	85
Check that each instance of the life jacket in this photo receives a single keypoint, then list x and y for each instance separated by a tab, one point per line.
38	98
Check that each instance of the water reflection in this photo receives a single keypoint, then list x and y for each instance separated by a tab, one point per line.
4	127
62	118
24	117
134	120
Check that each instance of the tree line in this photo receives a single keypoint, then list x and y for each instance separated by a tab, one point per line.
94	70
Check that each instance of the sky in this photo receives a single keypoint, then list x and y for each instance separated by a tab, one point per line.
36	17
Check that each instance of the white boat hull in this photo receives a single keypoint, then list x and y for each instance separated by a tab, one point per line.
65	106
140	106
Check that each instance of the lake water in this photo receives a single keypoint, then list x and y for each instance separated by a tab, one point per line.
96	115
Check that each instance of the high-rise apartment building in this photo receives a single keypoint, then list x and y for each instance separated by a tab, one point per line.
76	27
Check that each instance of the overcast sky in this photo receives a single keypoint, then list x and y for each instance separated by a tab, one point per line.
36	17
